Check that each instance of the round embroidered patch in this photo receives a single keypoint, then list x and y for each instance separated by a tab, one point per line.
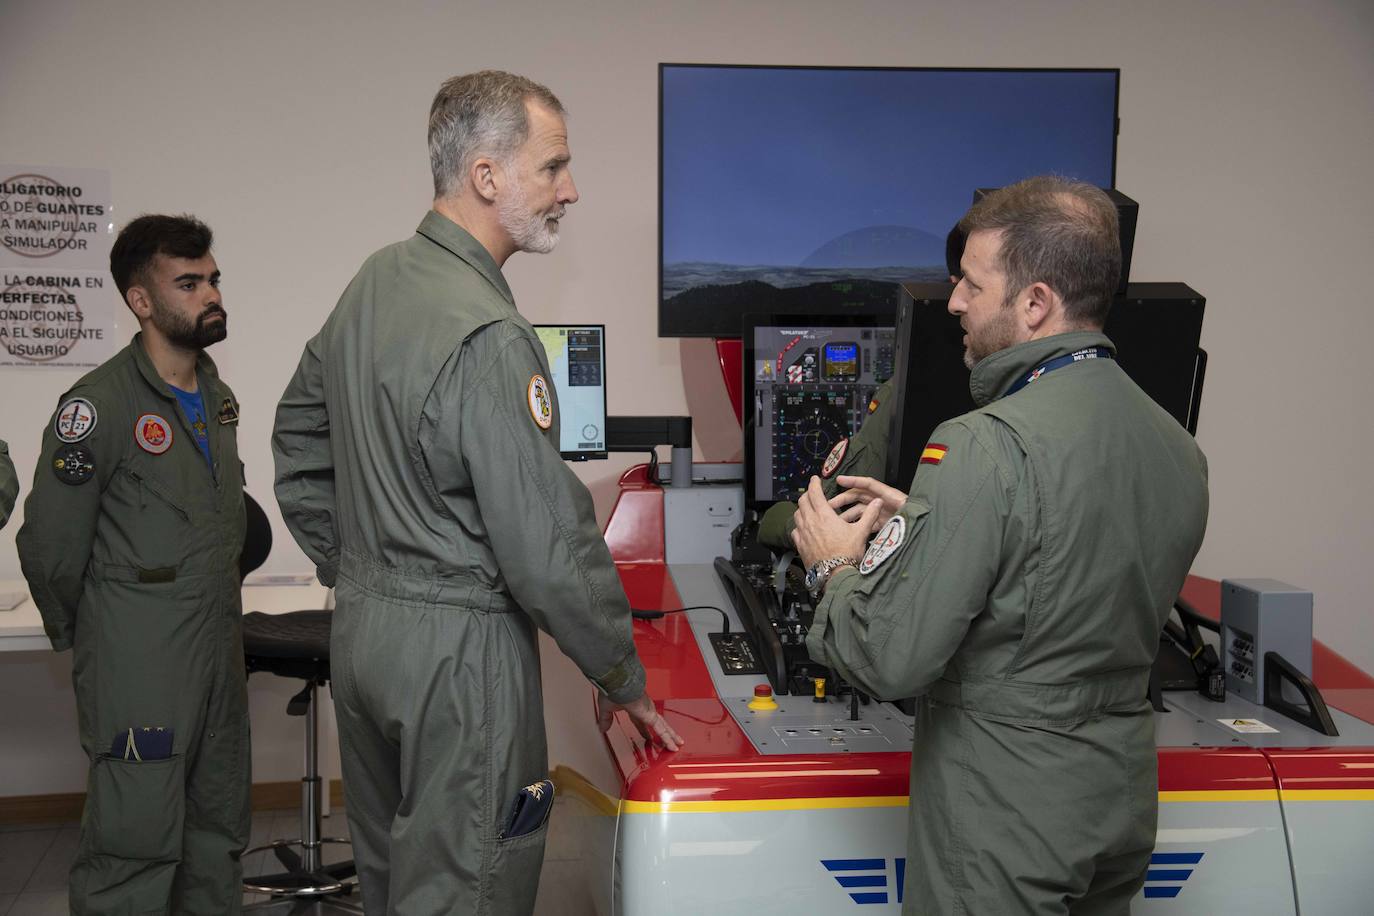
541	405
75	420
153	434
73	464
832	461
884	545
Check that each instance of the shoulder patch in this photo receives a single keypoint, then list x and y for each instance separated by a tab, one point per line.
934	453
228	412
832	461
541	405
75	421
73	464
153	433
883	546
872	404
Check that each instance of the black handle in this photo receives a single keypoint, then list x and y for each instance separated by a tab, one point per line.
755	621
1316	716
1193	619
1195	403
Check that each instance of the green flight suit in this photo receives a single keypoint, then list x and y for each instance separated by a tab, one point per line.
1046	537
9	484
864	456
130	545
413	466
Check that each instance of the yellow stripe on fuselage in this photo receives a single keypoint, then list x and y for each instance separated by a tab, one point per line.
1237	796
573	783
761	804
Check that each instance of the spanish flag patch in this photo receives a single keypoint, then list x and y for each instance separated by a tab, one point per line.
872	404
934	453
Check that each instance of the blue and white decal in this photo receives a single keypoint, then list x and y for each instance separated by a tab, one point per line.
857	876
1167	873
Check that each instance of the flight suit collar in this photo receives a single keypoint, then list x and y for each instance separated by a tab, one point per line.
994	375
446	233
207	373
207	380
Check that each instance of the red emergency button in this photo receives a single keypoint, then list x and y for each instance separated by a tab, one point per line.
763	698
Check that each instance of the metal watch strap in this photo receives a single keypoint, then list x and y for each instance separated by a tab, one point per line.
825	567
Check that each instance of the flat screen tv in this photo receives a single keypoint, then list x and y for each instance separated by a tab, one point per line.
820	189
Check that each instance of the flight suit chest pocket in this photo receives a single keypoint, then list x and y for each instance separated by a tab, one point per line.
138	808
164	522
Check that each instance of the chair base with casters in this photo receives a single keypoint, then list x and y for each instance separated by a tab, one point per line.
297	645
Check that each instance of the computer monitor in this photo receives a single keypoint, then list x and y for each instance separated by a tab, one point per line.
1156	328
807	383
577	360
821	189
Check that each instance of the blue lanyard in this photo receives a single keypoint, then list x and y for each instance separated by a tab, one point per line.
1059	362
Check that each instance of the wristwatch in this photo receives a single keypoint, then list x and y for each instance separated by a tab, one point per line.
818	575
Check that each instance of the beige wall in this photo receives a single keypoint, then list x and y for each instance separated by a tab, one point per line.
297	131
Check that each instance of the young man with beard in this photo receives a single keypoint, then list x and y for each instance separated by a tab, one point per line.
130	545
418	466
1021	587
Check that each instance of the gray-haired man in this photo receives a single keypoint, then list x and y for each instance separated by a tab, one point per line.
418	466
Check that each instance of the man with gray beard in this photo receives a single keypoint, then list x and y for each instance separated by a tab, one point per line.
418	466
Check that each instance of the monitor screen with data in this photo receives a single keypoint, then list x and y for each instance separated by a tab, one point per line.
577	360
808	380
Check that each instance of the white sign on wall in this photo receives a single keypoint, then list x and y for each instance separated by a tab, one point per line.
54	317
58	305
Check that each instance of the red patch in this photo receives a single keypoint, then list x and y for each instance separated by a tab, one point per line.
153	434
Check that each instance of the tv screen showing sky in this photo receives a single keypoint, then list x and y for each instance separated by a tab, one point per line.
785	187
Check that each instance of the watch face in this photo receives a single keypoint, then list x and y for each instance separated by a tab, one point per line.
812	575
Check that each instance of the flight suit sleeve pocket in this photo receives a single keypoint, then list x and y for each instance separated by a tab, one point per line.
138	808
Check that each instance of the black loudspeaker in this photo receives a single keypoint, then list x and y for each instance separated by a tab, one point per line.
1156	328
1127	212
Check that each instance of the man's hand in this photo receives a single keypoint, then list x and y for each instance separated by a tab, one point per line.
862	492
651	725
820	533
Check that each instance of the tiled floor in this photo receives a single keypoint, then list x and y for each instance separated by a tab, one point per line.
34	861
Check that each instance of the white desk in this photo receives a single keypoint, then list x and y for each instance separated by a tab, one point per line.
22	628
37	681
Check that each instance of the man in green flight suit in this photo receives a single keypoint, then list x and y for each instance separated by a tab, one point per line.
1021	587
418	466
9	484
865	453
130	545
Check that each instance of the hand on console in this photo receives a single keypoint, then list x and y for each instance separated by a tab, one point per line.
646	718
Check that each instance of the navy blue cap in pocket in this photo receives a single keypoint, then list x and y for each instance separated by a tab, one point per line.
530	810
146	743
